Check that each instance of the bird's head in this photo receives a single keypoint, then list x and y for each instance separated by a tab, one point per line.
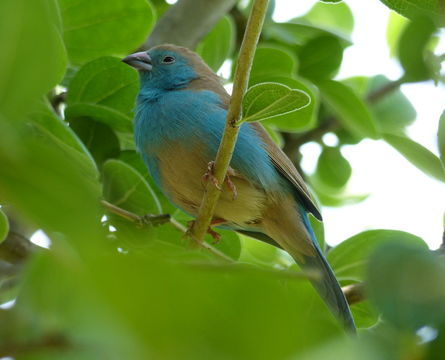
168	67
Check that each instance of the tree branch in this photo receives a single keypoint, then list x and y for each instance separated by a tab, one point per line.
187	22
230	135
354	293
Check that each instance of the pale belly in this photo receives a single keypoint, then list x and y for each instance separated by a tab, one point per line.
181	171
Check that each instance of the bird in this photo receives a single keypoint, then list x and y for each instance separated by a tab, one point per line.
180	114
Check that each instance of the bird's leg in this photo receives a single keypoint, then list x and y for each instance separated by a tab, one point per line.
230	172
216	237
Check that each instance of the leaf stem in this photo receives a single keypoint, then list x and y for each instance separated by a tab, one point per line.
227	146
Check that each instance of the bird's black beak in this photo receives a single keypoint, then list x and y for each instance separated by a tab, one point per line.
140	61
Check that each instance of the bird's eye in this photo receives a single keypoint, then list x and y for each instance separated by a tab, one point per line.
168	60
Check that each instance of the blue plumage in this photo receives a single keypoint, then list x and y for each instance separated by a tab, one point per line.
180	117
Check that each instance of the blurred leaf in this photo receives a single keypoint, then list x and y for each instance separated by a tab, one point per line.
320	57
99	138
414	9
318	228
332	198
351	111
332	168
57	134
418	155
441	137
270	62
126	188
217	46
257	252
104	89
395	28
338	17
32	58
230	243
298	33
4	226
49	190
393	112
349	259
115	27
412	50
407	283
268	100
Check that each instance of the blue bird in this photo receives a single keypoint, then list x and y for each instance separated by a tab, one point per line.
180	116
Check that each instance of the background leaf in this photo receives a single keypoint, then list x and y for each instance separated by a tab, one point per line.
414	9
93	29
332	168
419	156
352	112
217	46
441	138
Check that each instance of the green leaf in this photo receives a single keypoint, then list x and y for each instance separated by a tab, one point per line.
441	137
332	168
297	33
229	244
271	62
320	57
4	226
407	283
115	27
104	89
418	155
33	56
338	17
106	115
99	138
413	9
351	110
396	26
268	100
58	135
126	188
393	112
349	259
217	46
412	50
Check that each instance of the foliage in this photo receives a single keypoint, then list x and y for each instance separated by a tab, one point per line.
112	288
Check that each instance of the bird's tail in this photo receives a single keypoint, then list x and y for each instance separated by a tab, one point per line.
326	284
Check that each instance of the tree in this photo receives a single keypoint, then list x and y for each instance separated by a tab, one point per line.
118	280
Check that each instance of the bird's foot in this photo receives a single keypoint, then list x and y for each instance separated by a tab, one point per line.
209	175
216	237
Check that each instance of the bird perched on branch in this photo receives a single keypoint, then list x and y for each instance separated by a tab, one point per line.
180	117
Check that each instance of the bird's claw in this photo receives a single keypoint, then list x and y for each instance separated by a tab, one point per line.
216	237
209	176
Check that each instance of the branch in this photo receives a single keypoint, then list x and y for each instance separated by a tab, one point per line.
187	22
155	220
230	135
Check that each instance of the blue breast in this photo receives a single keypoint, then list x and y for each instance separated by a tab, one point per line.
188	117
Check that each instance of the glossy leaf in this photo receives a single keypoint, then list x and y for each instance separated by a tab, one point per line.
320	58
418	155
28	31
217	46
115	27
414	9
104	89
337	17
4	226
412	48
332	168
268	100
351	111
407	283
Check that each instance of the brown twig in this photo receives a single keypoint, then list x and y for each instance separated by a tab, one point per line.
354	293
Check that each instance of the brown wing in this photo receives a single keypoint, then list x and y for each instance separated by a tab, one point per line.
284	165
